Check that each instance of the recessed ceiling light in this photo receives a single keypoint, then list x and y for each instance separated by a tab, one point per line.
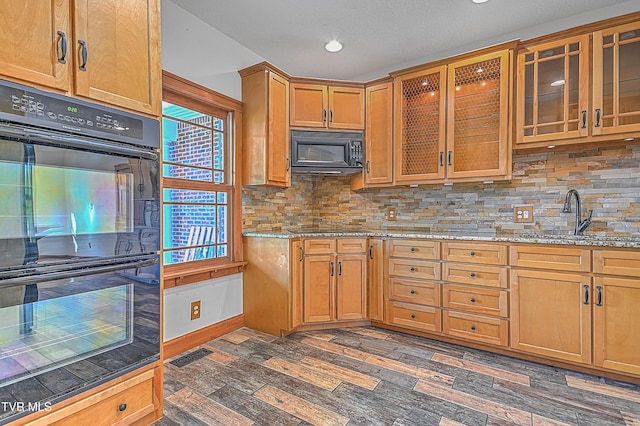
557	83
479	1
333	46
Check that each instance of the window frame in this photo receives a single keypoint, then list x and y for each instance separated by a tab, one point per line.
182	92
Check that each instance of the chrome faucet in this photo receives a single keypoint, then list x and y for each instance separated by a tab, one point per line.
581	225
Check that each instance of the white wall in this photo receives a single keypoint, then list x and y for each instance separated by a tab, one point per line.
220	299
198	52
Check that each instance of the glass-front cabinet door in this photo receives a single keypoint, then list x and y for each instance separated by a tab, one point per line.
420	125
553	84
616	80
478	117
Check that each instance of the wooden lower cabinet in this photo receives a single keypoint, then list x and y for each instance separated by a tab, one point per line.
272	284
411	315
134	400
551	314
334	287
375	278
481	328
616	314
318	288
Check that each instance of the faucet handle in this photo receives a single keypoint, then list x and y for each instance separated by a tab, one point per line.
589	215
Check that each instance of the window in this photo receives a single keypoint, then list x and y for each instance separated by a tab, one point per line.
199	197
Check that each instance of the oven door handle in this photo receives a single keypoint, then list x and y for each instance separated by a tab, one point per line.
67	140
80	270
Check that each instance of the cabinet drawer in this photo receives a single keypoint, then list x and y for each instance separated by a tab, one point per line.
486	254
320	246
421	292
565	259
416	269
617	262
414	249
473	299
414	316
487	276
352	245
494	331
124	403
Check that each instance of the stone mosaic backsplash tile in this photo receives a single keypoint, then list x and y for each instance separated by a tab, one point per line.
608	180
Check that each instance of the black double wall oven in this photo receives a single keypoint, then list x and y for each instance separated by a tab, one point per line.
79	241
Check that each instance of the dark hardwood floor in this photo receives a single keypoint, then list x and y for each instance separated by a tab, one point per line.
367	376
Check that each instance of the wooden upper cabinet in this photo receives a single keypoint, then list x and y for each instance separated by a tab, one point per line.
378	135
36	41
616	80
112	56
553	96
419	123
321	106
478	143
265	95
571	91
117	53
452	121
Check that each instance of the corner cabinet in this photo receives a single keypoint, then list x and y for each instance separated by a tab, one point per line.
98	50
266	146
322	106
335	280
451	121
557	81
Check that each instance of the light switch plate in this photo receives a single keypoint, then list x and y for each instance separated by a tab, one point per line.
523	214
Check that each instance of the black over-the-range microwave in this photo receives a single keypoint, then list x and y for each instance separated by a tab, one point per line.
324	152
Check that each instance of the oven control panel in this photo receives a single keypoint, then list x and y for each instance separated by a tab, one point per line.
36	107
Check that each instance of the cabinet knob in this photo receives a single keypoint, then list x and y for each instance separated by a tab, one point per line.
412	291
473	328
412	249
122	407
472	300
472	275
413	316
472	253
412	269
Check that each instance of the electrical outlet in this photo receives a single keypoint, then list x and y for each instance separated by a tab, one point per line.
523	214
195	310
391	213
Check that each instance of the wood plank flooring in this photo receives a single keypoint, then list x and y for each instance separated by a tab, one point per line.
367	376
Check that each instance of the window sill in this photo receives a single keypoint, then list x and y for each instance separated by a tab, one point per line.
175	279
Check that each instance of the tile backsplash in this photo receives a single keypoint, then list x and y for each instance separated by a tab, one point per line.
608	180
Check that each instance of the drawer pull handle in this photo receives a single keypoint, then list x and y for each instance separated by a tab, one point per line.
472	275
83	55
473	328
122	407
413	316
473	253
599	302
586	294
473	300
412	269
412	249
412	292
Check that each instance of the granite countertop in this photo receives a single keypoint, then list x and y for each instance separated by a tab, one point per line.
541	238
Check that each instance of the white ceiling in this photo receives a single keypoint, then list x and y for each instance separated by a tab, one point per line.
381	36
